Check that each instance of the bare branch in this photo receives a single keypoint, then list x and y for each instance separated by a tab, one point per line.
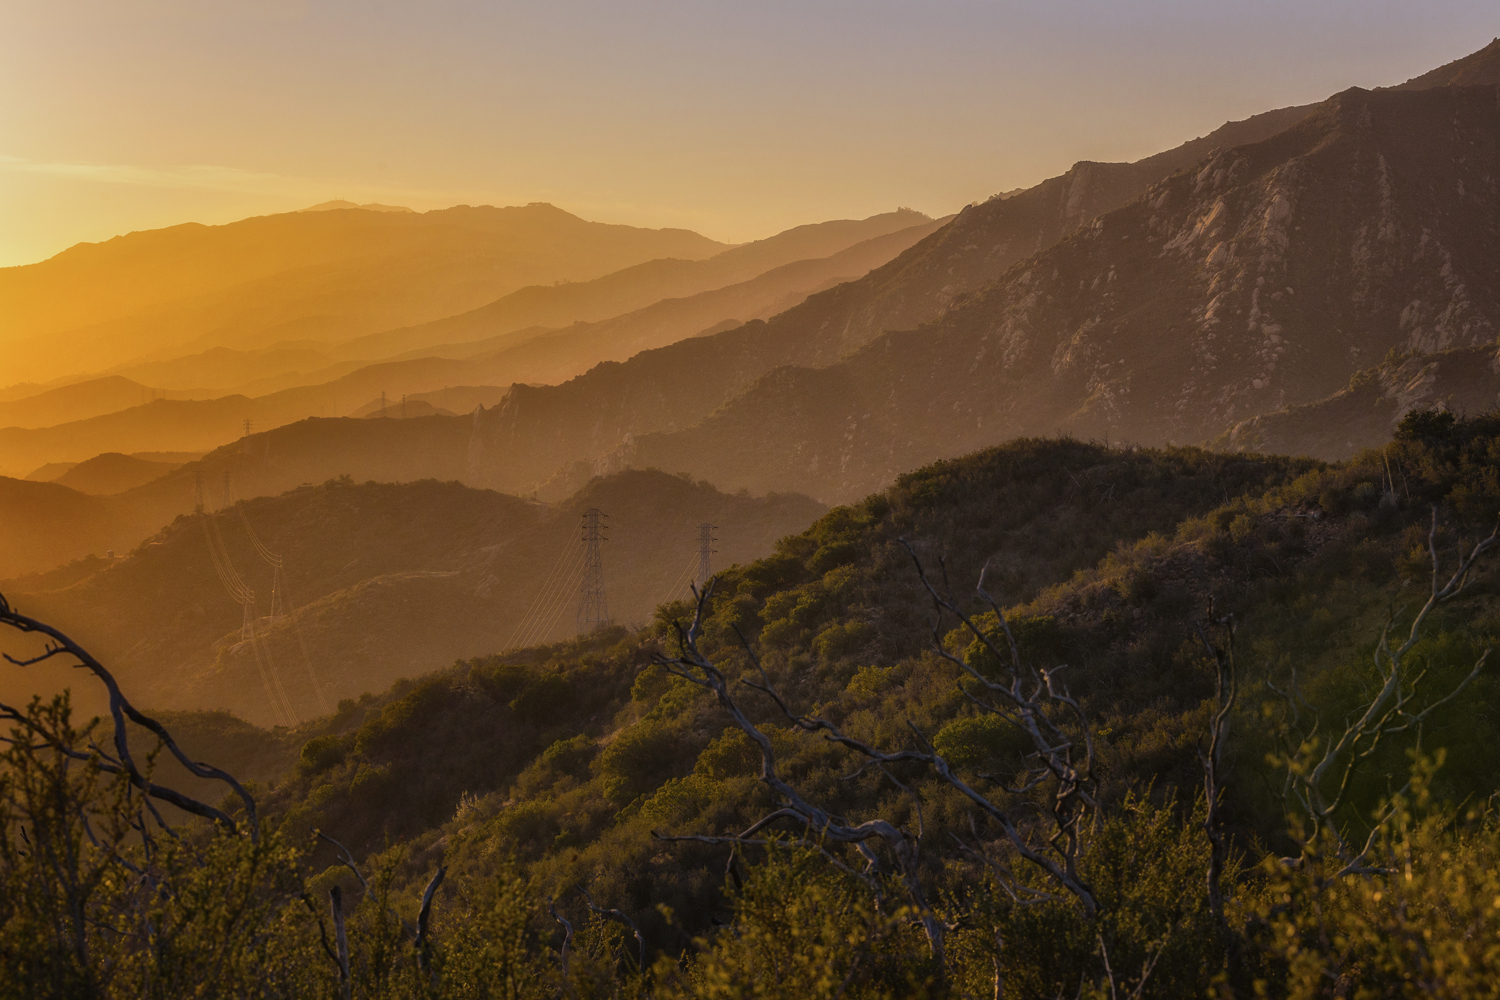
620	917
121	710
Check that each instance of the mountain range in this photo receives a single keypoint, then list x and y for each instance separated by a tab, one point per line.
1242	288
301	275
113	413
1262	277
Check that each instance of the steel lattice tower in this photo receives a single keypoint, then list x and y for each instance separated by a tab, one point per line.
593	610
706	541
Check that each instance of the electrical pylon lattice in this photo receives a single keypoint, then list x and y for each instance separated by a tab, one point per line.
706	541
593	609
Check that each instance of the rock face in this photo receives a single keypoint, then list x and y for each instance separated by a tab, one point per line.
1364	414
537	431
1264	277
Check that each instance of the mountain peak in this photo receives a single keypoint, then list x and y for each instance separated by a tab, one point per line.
339	204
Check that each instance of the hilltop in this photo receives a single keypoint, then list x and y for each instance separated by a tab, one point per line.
384	580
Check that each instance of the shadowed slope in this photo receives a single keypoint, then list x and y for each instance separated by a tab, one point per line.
385	580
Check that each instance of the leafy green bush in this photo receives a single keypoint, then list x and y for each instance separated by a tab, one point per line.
322	752
640	758
986	741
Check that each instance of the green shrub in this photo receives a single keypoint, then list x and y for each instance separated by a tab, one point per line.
731	755
639	759
543	700
321	753
981	741
843	639
572	755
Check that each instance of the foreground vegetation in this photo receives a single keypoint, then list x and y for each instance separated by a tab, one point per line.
1264	769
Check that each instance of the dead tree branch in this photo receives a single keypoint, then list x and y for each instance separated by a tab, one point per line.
693	666
1226	691
120	710
1319	779
619	917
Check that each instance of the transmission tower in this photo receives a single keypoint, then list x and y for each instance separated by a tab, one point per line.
706	541
198	491
593	610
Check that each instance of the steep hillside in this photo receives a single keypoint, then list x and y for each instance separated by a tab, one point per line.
676	387
332	274
673	389
1479	68
385	580
839	620
1366	412
1262	279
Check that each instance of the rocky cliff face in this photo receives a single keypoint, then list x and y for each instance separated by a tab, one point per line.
1364	414
1263	278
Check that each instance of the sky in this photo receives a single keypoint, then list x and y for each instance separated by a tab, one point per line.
736	119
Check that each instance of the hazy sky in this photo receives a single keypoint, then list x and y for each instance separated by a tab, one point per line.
734	119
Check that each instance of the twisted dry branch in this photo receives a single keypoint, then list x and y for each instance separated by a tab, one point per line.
120	709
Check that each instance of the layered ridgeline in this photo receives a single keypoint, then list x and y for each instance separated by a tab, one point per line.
301	275
1264	278
1092	349
565	764
50	524
113	413
378	581
675	387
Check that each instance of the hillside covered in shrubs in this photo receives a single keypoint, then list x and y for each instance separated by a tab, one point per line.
842	774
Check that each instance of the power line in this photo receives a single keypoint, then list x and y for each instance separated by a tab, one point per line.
593	609
706	541
218	554
279	601
567	555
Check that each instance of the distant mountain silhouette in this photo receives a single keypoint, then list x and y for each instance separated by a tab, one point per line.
254	371
48	524
323	275
77	401
385	580
637	286
111	473
536	356
340	204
